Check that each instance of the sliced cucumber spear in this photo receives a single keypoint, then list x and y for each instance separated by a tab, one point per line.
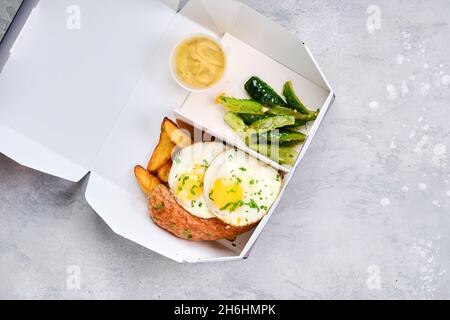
294	102
270	123
246	106
263	122
263	93
250	118
282	136
235	122
283	155
281	111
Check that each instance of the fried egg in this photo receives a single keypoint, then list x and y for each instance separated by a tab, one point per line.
187	173
239	189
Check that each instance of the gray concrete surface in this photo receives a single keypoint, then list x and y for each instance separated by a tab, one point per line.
367	215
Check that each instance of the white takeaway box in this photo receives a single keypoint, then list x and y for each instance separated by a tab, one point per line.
90	97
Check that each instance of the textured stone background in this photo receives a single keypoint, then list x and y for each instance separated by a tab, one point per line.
369	204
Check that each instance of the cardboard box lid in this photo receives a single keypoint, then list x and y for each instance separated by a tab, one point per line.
62	88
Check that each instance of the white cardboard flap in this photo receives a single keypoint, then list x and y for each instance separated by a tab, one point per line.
72	70
219	16
257	31
31	154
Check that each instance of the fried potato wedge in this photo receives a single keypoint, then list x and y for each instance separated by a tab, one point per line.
146	180
162	153
163	172
178	136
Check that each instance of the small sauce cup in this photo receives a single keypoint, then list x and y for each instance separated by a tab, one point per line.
174	66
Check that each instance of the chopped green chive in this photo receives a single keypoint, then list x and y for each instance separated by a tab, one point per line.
252	204
226	206
159	206
192	191
238	203
187	233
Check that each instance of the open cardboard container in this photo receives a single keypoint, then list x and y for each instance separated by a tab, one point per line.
92	99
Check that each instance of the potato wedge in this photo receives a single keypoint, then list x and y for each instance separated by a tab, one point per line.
146	180
179	137
163	172
162	153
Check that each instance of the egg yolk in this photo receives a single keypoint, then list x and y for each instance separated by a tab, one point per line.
226	194
189	187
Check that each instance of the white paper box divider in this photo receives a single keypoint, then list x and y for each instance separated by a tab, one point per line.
74	101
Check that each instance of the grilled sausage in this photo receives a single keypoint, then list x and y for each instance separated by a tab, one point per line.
169	215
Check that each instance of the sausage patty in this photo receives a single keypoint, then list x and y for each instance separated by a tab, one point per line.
169	215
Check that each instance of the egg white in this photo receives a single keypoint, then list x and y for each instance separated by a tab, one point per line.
186	176
239	189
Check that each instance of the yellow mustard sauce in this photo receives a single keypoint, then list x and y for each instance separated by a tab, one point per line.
199	62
